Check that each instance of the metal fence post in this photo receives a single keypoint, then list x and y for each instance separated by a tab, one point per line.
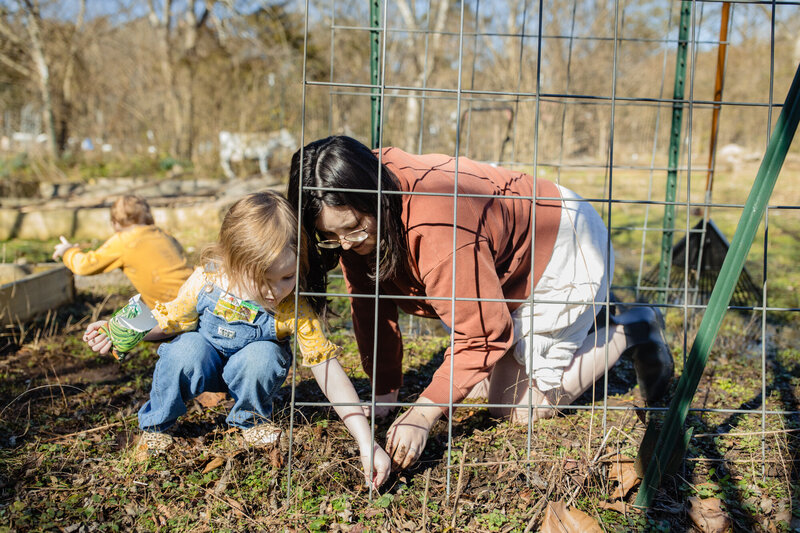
752	214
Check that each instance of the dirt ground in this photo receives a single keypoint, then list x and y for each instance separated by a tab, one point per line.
68	422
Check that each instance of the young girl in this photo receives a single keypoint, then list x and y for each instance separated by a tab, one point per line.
152	259
235	314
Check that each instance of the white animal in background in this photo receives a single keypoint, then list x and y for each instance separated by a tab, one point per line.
236	147
731	153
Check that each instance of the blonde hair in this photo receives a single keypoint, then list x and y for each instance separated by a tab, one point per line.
254	233
131	209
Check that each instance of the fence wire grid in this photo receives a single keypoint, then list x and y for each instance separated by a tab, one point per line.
582	94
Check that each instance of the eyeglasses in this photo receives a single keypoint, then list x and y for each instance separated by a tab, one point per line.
354	237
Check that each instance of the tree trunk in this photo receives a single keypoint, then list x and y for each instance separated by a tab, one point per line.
43	79
67	105
177	65
423	66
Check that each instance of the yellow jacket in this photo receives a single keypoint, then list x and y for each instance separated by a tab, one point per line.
153	260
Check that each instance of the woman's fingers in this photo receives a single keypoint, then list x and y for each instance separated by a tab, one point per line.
382	472
404	456
410	457
398	455
405	447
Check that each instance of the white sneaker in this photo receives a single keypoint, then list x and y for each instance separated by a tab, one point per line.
261	435
153	443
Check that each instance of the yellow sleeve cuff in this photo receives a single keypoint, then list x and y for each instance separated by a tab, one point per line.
181	313
311	339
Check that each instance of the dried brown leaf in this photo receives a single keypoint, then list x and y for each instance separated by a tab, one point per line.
558	518
211	399
618	506
213	464
708	515
624	473
371	513
164	510
236	506
276	457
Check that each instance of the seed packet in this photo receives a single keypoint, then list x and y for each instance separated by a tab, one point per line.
128	326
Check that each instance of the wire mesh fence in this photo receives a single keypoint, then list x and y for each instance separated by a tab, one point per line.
657	115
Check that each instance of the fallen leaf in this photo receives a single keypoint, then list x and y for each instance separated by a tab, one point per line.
618	506
276	457
624	473
708	516
371	513
560	519
165	511
346	514
211	399
236	506
783	516
214	463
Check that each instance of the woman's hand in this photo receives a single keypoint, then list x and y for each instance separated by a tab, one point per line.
96	339
383	411
381	467
407	437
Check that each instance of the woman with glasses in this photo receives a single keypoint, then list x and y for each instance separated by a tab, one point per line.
451	239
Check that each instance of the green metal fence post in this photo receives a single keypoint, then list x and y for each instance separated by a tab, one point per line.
674	151
753	213
374	68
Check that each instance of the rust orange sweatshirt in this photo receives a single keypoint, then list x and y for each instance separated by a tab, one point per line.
492	255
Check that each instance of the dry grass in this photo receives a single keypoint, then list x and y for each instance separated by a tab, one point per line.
68	420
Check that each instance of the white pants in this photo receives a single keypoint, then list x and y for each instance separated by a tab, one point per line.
546	335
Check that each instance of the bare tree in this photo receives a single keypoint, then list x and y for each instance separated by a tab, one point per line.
68	83
29	45
423	62
178	38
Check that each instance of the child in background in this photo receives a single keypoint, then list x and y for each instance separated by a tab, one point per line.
234	315
153	260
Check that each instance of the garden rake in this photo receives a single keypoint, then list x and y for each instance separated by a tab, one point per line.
705	245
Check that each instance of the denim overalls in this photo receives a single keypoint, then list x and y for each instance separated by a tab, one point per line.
241	357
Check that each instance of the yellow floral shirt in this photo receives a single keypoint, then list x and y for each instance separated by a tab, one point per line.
180	315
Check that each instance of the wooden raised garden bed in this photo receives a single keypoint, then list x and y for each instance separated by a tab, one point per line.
29	290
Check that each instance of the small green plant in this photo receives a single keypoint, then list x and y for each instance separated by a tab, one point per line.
384	501
493	521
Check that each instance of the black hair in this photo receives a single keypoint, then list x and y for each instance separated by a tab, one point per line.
341	162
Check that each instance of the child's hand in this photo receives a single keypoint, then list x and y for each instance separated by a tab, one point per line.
381	467
96	339
62	247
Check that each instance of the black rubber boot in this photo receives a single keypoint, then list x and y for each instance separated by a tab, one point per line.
652	358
